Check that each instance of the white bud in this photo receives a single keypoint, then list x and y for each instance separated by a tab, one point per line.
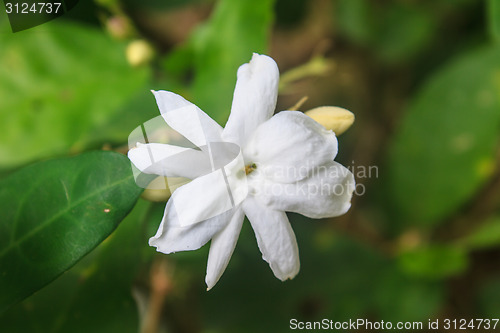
332	118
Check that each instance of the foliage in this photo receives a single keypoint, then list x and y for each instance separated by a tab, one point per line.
57	211
423	79
58	85
463	118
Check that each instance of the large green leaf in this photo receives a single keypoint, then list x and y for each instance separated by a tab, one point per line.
235	31
444	149
76	298
93	296
55	212
58	82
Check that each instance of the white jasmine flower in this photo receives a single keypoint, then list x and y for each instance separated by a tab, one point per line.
259	165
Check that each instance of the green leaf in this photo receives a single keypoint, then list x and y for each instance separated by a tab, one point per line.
94	295
487	235
444	149
494	19
59	81
235	31
394	31
54	213
434	261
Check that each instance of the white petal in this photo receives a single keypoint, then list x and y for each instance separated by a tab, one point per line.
187	119
327	192
289	145
172	237
222	247
275	238
170	161
194	213
203	198
254	98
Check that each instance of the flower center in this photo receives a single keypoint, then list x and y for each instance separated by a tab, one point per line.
250	168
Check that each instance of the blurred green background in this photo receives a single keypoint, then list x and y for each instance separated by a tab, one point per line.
421	241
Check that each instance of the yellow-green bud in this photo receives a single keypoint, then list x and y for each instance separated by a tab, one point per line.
139	52
161	188
332	118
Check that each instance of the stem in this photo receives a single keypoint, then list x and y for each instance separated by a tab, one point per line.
317	66
161	284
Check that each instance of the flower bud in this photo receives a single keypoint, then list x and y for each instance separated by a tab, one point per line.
332	118
119	27
161	188
139	52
